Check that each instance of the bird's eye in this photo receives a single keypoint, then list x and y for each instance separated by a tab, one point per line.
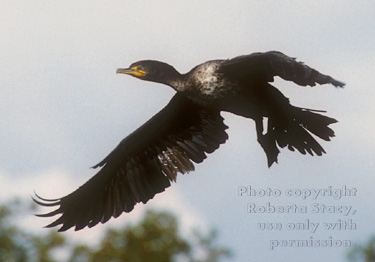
139	67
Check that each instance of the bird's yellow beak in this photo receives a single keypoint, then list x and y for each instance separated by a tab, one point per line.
133	71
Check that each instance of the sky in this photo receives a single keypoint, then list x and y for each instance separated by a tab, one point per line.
63	109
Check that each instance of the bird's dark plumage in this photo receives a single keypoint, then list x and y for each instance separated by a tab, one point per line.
145	162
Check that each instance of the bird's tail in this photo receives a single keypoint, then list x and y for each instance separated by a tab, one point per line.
297	133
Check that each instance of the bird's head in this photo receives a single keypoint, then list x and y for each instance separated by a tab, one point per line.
151	70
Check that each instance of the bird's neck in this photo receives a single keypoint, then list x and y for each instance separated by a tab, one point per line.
176	80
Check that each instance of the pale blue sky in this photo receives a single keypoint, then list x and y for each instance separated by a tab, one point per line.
63	108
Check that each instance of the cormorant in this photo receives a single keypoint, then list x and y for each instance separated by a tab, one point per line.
145	162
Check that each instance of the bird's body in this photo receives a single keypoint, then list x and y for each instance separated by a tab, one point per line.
207	86
190	126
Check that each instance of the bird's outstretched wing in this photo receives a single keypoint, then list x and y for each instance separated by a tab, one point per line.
272	64
142	165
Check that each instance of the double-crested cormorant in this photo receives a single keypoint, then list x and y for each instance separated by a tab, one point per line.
145	162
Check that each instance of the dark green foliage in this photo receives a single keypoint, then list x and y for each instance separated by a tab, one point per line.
155	238
363	253
16	245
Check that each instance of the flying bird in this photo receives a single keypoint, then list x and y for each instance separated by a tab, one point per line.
190	126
